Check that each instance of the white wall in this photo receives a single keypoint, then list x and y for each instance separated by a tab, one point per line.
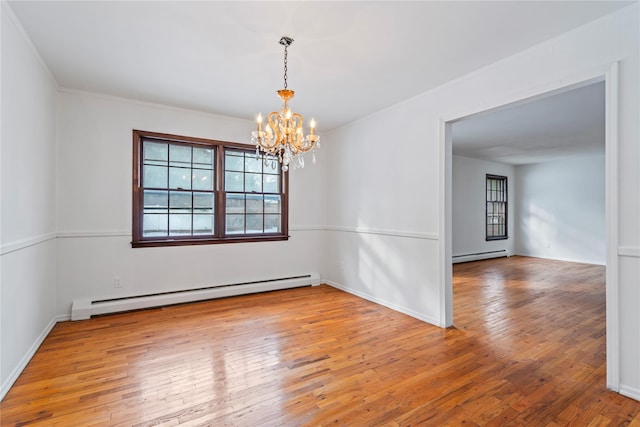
28	170
94	208
560	209
468	203
386	173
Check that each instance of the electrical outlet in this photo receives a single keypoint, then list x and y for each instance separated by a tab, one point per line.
117	283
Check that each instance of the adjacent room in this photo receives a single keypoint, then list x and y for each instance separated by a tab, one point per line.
440	227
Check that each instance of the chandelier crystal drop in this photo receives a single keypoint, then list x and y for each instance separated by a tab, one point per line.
283	140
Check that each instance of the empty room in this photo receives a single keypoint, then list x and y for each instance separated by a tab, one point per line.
441	227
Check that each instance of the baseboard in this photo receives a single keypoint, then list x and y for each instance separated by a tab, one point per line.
15	373
83	309
385	303
563	259
480	256
631	392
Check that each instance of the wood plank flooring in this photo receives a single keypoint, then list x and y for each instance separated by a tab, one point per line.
528	349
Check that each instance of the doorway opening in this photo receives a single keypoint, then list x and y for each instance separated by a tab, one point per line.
609	79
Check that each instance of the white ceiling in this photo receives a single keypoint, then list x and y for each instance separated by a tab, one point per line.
554	127
349	59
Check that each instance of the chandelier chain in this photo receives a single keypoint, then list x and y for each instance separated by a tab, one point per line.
285	66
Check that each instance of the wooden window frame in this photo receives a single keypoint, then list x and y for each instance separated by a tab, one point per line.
138	240
505	235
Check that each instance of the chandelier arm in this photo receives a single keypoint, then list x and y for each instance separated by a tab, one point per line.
299	137
275	127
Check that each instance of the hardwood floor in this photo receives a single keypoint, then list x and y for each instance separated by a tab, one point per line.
528	349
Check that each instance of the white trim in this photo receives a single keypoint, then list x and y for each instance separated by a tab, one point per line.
631	392
629	251
445	201
611	223
15	373
82	234
7	248
392	233
16	246
307	228
385	303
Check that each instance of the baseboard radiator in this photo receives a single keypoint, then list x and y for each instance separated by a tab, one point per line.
82	309
479	256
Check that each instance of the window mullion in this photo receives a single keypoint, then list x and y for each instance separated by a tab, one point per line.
220	208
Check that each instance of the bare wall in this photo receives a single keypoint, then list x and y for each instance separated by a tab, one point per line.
560	209
28	176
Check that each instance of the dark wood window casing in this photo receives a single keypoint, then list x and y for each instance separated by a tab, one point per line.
193	191
496	207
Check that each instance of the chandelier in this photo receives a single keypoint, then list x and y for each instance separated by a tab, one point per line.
283	139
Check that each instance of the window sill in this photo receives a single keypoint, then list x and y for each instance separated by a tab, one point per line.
191	242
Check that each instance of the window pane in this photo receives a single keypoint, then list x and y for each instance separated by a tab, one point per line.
253	182
234	161
155	225
272	204
156	201
179	224
203	158
235	203
255	204
154	177
234	224
180	202
179	155
155	152
203	202
271	183
272	165
254	224
272	223
251	164
202	179
180	178
202	224
234	181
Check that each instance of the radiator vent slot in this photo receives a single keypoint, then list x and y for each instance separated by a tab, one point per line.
82	309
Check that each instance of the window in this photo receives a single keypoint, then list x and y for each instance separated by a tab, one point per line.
496	207
190	191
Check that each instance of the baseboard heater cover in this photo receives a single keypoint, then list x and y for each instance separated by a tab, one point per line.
83	309
480	256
